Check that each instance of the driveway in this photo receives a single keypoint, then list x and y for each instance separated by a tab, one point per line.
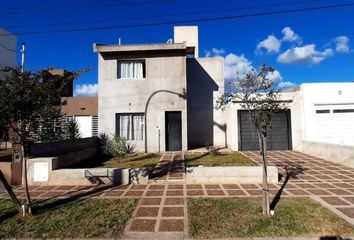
329	183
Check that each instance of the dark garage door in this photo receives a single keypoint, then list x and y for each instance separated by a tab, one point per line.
279	136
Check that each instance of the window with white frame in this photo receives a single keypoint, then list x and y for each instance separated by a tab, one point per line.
131	69
130	126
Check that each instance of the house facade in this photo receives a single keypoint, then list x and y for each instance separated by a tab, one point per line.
84	111
161	97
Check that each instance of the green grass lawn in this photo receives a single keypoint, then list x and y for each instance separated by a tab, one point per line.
213	160
135	161
80	219
226	217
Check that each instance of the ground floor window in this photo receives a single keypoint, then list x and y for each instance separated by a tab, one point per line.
130	126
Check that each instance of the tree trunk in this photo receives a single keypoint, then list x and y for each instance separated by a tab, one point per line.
28	197
266	200
10	192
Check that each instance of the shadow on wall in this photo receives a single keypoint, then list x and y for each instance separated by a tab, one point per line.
223	127
200	107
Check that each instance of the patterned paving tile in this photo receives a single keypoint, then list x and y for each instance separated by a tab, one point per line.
174	193
172	212
174	201
171	225
151	201
195	193
215	193
334	201
154	193
232	192
231	186
347	211
194	186
133	194
143	225
147	212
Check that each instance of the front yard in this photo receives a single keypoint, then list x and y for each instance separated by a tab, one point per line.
133	161
80	219
227	218
219	159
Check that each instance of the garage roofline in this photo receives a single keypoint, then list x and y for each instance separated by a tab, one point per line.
278	101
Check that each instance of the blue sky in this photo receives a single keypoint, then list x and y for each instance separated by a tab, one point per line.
303	46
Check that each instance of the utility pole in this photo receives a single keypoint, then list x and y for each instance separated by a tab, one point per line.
23	57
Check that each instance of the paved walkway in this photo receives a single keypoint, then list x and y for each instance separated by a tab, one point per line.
162	208
169	169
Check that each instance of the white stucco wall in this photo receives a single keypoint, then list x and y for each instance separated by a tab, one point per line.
8	58
333	128
189	35
163	72
85	125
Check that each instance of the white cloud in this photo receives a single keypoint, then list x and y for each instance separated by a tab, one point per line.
236	66
307	55
214	52
289	35
272	44
286	85
342	44
275	76
86	89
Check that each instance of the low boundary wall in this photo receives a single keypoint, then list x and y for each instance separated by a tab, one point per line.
43	171
69	153
241	174
332	152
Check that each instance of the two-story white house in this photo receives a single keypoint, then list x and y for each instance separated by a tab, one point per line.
161	96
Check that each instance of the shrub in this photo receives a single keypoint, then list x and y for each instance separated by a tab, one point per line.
103	139
118	147
72	130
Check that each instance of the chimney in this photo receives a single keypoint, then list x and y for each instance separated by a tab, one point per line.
188	34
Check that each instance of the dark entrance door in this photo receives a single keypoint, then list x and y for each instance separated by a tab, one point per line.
279	134
173	131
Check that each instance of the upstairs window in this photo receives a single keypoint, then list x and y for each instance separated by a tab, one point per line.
131	69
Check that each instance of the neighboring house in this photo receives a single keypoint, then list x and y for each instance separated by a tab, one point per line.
319	121
84	111
161	96
318	112
8	49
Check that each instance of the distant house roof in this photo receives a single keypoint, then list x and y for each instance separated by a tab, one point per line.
80	106
142	47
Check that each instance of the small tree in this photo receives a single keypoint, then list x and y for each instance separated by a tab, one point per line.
260	97
72	130
26	97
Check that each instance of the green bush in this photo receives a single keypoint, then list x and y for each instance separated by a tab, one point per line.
118	147
72	130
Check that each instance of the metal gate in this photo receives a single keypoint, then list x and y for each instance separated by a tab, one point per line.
279	134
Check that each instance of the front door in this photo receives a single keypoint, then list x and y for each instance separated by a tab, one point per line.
173	131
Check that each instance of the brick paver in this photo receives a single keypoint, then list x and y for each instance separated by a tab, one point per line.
163	206
170	168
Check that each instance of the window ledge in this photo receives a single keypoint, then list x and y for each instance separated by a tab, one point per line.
130	79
